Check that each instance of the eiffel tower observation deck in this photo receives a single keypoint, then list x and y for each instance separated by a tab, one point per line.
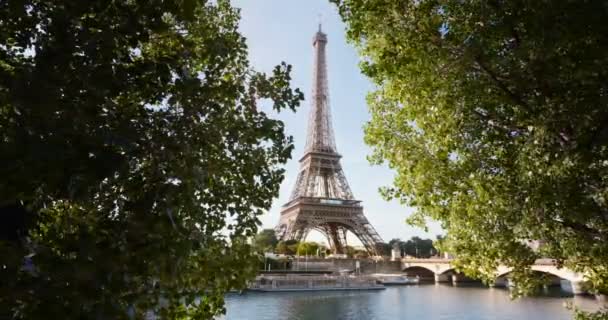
321	199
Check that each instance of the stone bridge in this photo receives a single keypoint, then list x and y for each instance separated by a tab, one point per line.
441	270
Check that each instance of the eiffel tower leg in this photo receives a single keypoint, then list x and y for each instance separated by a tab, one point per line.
337	235
283	230
366	239
342	236
335	242
328	238
324	229
300	234
291	230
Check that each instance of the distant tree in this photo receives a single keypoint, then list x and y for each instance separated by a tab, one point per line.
281	248
135	159
384	249
360	254
266	240
292	246
394	241
494	115
437	243
327	251
289	247
417	247
307	248
350	251
291	242
425	248
322	250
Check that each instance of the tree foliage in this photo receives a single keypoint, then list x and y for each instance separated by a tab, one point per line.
494	116
289	247
308	249
415	247
350	251
134	159
383	248
266	240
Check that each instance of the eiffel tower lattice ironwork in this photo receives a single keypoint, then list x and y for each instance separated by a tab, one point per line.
321	199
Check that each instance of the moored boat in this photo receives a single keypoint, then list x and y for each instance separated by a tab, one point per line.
301	282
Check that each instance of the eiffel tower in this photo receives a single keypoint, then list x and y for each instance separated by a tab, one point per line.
321	199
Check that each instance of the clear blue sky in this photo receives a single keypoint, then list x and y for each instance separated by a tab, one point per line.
282	30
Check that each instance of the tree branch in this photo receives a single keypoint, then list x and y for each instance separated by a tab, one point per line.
583	229
517	99
493	121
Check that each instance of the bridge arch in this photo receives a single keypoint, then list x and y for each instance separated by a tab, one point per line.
550	270
539	273
448	271
423	273
451	274
552	279
418	269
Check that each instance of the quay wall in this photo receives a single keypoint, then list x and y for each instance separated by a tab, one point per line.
367	266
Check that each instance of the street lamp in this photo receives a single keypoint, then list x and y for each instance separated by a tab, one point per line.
306	260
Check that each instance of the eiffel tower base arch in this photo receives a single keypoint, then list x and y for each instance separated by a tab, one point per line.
332	218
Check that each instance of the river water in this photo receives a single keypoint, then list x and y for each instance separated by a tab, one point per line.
421	302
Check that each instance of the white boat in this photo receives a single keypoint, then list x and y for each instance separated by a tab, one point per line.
303	282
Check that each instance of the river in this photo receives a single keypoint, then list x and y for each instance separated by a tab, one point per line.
421	302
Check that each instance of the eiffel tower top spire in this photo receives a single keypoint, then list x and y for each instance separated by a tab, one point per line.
320	132
321	174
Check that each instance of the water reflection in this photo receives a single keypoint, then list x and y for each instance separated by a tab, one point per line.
422	302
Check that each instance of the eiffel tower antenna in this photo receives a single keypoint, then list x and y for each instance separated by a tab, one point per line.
321	199
320	21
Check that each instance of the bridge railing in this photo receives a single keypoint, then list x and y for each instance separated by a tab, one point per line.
543	261
427	260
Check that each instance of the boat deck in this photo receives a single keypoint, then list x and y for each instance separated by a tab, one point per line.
300	282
